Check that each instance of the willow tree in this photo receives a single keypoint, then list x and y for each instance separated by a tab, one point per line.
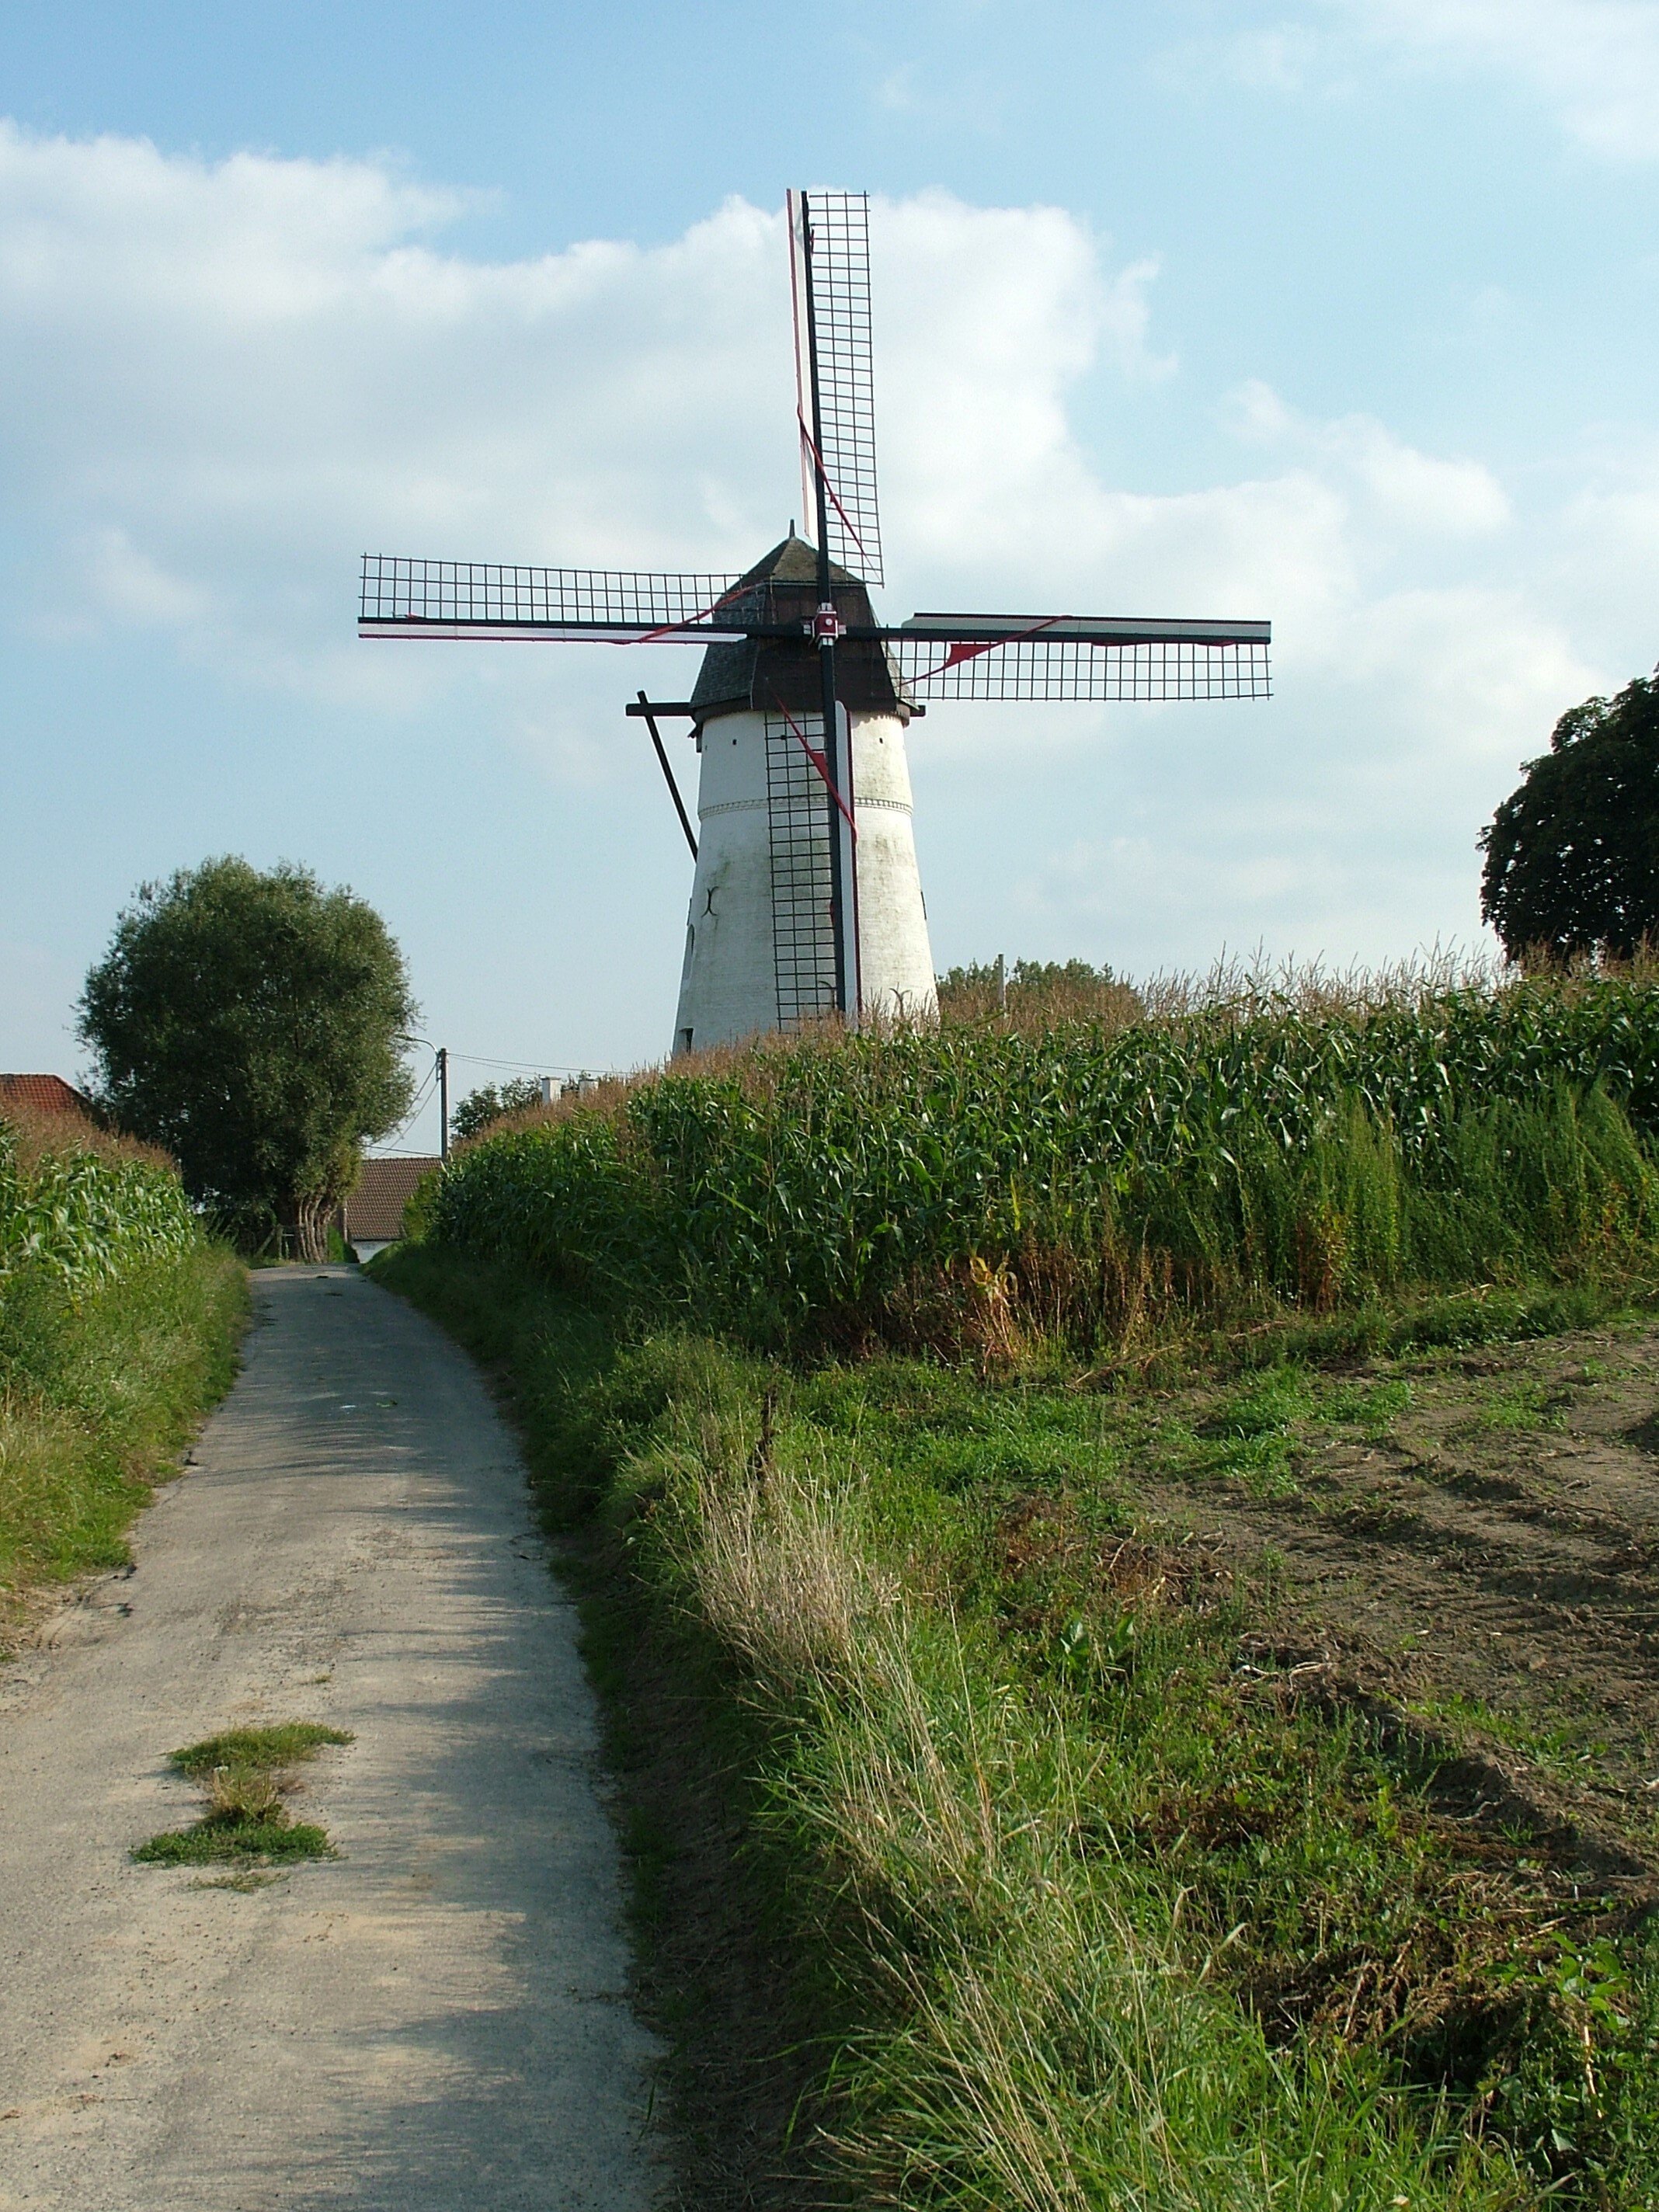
253	1025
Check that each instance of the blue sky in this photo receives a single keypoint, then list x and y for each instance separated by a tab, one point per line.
1339	311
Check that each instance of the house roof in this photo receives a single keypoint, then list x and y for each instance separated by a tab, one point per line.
374	1211
46	1094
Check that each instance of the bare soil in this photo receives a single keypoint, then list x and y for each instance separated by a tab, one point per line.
1480	1551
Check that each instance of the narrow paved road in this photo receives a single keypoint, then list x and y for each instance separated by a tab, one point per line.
436	2020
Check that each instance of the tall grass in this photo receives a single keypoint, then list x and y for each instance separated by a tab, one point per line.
977	1180
1088	1914
99	1394
1113	1925
118	1324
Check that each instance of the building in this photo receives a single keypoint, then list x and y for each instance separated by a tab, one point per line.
43	1094
372	1216
760	952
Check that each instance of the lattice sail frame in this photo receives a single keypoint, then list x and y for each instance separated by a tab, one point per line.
987	657
836	271
803	933
488	599
1067	668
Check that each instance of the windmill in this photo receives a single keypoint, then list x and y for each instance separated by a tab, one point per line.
806	899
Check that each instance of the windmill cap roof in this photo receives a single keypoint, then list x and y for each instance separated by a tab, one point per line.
741	676
792	561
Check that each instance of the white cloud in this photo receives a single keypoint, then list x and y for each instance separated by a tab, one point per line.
220	383
965	100
1294	59
1594	62
223	382
1419	494
1591	62
132	587
1594	65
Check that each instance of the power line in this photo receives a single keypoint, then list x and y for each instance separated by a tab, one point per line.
421	1097
527	1067
524	1067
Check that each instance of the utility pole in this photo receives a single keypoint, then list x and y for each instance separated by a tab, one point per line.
443	1102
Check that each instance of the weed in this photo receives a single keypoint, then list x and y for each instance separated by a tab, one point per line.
230	1836
1371	1408
1251	1436
1524	1404
242	1773
257	1750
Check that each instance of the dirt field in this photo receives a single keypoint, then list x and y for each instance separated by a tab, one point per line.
1474	1536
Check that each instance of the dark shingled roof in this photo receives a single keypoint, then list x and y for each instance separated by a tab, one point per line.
762	673
792	561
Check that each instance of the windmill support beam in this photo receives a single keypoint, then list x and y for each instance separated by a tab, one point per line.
643	706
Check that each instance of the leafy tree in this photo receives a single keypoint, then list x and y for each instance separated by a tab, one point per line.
1036	992
489	1102
252	1024
1572	856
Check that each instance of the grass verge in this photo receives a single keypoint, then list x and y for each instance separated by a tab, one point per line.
99	1394
1026	1859
244	1775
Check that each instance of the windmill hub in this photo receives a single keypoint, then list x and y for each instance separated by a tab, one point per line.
806	899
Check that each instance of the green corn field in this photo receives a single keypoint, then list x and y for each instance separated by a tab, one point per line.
86	1219
1218	1162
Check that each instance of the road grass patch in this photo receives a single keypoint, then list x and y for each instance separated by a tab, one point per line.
244	1775
230	1836
289	1743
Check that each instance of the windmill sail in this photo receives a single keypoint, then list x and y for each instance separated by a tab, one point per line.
798	843
801	704
403	598
829	263
1079	656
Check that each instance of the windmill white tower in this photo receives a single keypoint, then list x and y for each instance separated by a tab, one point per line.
760	940
806	899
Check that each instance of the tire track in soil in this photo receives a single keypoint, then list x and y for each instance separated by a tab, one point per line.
1498	1549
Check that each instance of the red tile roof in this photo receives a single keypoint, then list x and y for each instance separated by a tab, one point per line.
374	1211
46	1094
